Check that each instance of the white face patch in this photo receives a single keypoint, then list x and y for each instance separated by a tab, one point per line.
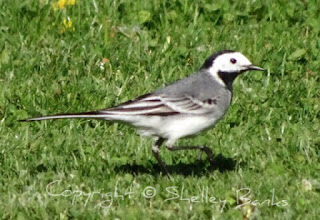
228	62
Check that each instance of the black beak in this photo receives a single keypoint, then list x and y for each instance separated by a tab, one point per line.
252	67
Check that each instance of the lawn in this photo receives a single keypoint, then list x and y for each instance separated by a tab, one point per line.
74	56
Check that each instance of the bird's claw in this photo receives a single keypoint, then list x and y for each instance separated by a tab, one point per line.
200	155
208	152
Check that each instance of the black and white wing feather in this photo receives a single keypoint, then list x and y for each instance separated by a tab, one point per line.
146	105
163	105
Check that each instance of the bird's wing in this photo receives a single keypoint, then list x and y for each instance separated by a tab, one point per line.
146	105
163	105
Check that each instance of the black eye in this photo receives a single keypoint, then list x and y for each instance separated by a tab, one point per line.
233	61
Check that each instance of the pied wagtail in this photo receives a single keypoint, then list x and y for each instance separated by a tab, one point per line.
182	109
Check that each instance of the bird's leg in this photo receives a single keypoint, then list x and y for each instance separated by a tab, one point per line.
205	149
155	151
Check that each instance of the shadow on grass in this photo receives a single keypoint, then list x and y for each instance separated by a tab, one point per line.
199	168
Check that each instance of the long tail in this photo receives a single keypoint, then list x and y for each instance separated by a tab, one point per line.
131	111
95	114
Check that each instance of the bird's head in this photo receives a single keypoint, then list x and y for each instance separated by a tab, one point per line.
226	65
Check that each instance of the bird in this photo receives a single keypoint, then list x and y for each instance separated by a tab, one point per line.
182	109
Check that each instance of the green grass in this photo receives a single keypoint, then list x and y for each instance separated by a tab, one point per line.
269	140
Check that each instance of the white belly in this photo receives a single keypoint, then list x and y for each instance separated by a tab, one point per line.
170	127
175	127
186	126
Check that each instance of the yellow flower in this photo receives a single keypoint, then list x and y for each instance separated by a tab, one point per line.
61	4
67	25
71	2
